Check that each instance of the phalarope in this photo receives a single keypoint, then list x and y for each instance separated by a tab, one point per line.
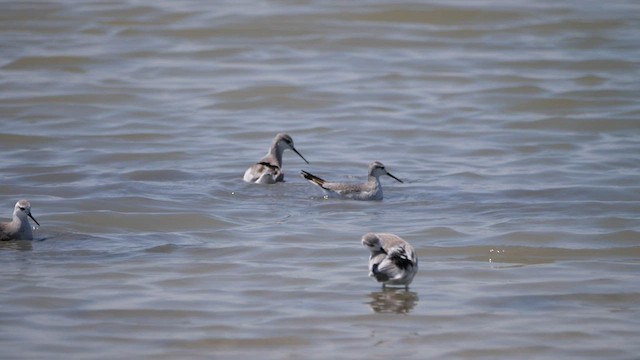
19	228
393	260
269	169
371	190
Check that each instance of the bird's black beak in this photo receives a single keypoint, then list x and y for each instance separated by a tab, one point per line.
34	219
296	151
395	178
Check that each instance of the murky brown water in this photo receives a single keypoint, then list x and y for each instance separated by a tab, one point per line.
129	124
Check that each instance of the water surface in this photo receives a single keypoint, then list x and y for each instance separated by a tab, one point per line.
129	124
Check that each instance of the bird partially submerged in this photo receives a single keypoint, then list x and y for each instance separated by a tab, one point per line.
371	190
18	228
269	169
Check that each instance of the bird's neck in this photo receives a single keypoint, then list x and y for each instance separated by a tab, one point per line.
276	152
22	220
374	179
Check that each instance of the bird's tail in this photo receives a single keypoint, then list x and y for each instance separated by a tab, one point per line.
380	276
312	178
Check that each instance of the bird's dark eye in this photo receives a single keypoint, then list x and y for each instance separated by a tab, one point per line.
21	208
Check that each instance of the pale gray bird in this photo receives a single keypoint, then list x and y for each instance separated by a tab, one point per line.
269	169
19	227
393	260
371	190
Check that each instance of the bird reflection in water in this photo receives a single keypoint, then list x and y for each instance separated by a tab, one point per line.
393	300
20	245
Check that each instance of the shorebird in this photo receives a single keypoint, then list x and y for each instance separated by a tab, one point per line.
269	169
19	228
371	190
393	260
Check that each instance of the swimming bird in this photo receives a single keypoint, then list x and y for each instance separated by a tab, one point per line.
393	260
269	169
371	190
19	228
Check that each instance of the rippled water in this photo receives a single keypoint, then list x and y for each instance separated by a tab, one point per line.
129	124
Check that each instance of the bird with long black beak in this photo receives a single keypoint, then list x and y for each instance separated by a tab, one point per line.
19	227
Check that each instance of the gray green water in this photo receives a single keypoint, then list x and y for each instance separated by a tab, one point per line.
129	124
